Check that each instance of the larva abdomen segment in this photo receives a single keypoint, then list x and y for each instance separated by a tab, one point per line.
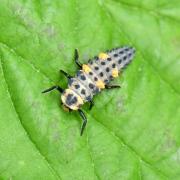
99	71
122	56
83	85
107	65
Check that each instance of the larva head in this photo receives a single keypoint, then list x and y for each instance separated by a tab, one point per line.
71	100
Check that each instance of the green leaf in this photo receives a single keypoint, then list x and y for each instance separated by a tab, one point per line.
132	133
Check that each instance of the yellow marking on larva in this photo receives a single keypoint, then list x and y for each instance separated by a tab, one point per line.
73	106
86	68
100	84
80	100
103	56
115	73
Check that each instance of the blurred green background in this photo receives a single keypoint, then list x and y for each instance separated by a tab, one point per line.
132	133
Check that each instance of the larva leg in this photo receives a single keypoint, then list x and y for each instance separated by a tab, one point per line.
112	86
84	120
66	74
53	88
76	58
91	104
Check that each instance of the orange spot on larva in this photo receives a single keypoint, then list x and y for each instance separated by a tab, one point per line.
115	73
86	68
103	56
100	84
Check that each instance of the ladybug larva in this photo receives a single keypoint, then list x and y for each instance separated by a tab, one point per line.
92	78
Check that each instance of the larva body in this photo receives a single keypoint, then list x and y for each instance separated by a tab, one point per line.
93	77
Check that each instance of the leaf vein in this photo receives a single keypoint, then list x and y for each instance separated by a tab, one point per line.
91	156
28	135
143	57
122	141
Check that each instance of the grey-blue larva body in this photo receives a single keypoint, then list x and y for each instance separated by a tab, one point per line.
93	77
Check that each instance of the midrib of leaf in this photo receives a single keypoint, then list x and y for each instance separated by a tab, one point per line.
56	175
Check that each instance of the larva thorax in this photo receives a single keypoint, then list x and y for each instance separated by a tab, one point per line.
95	75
